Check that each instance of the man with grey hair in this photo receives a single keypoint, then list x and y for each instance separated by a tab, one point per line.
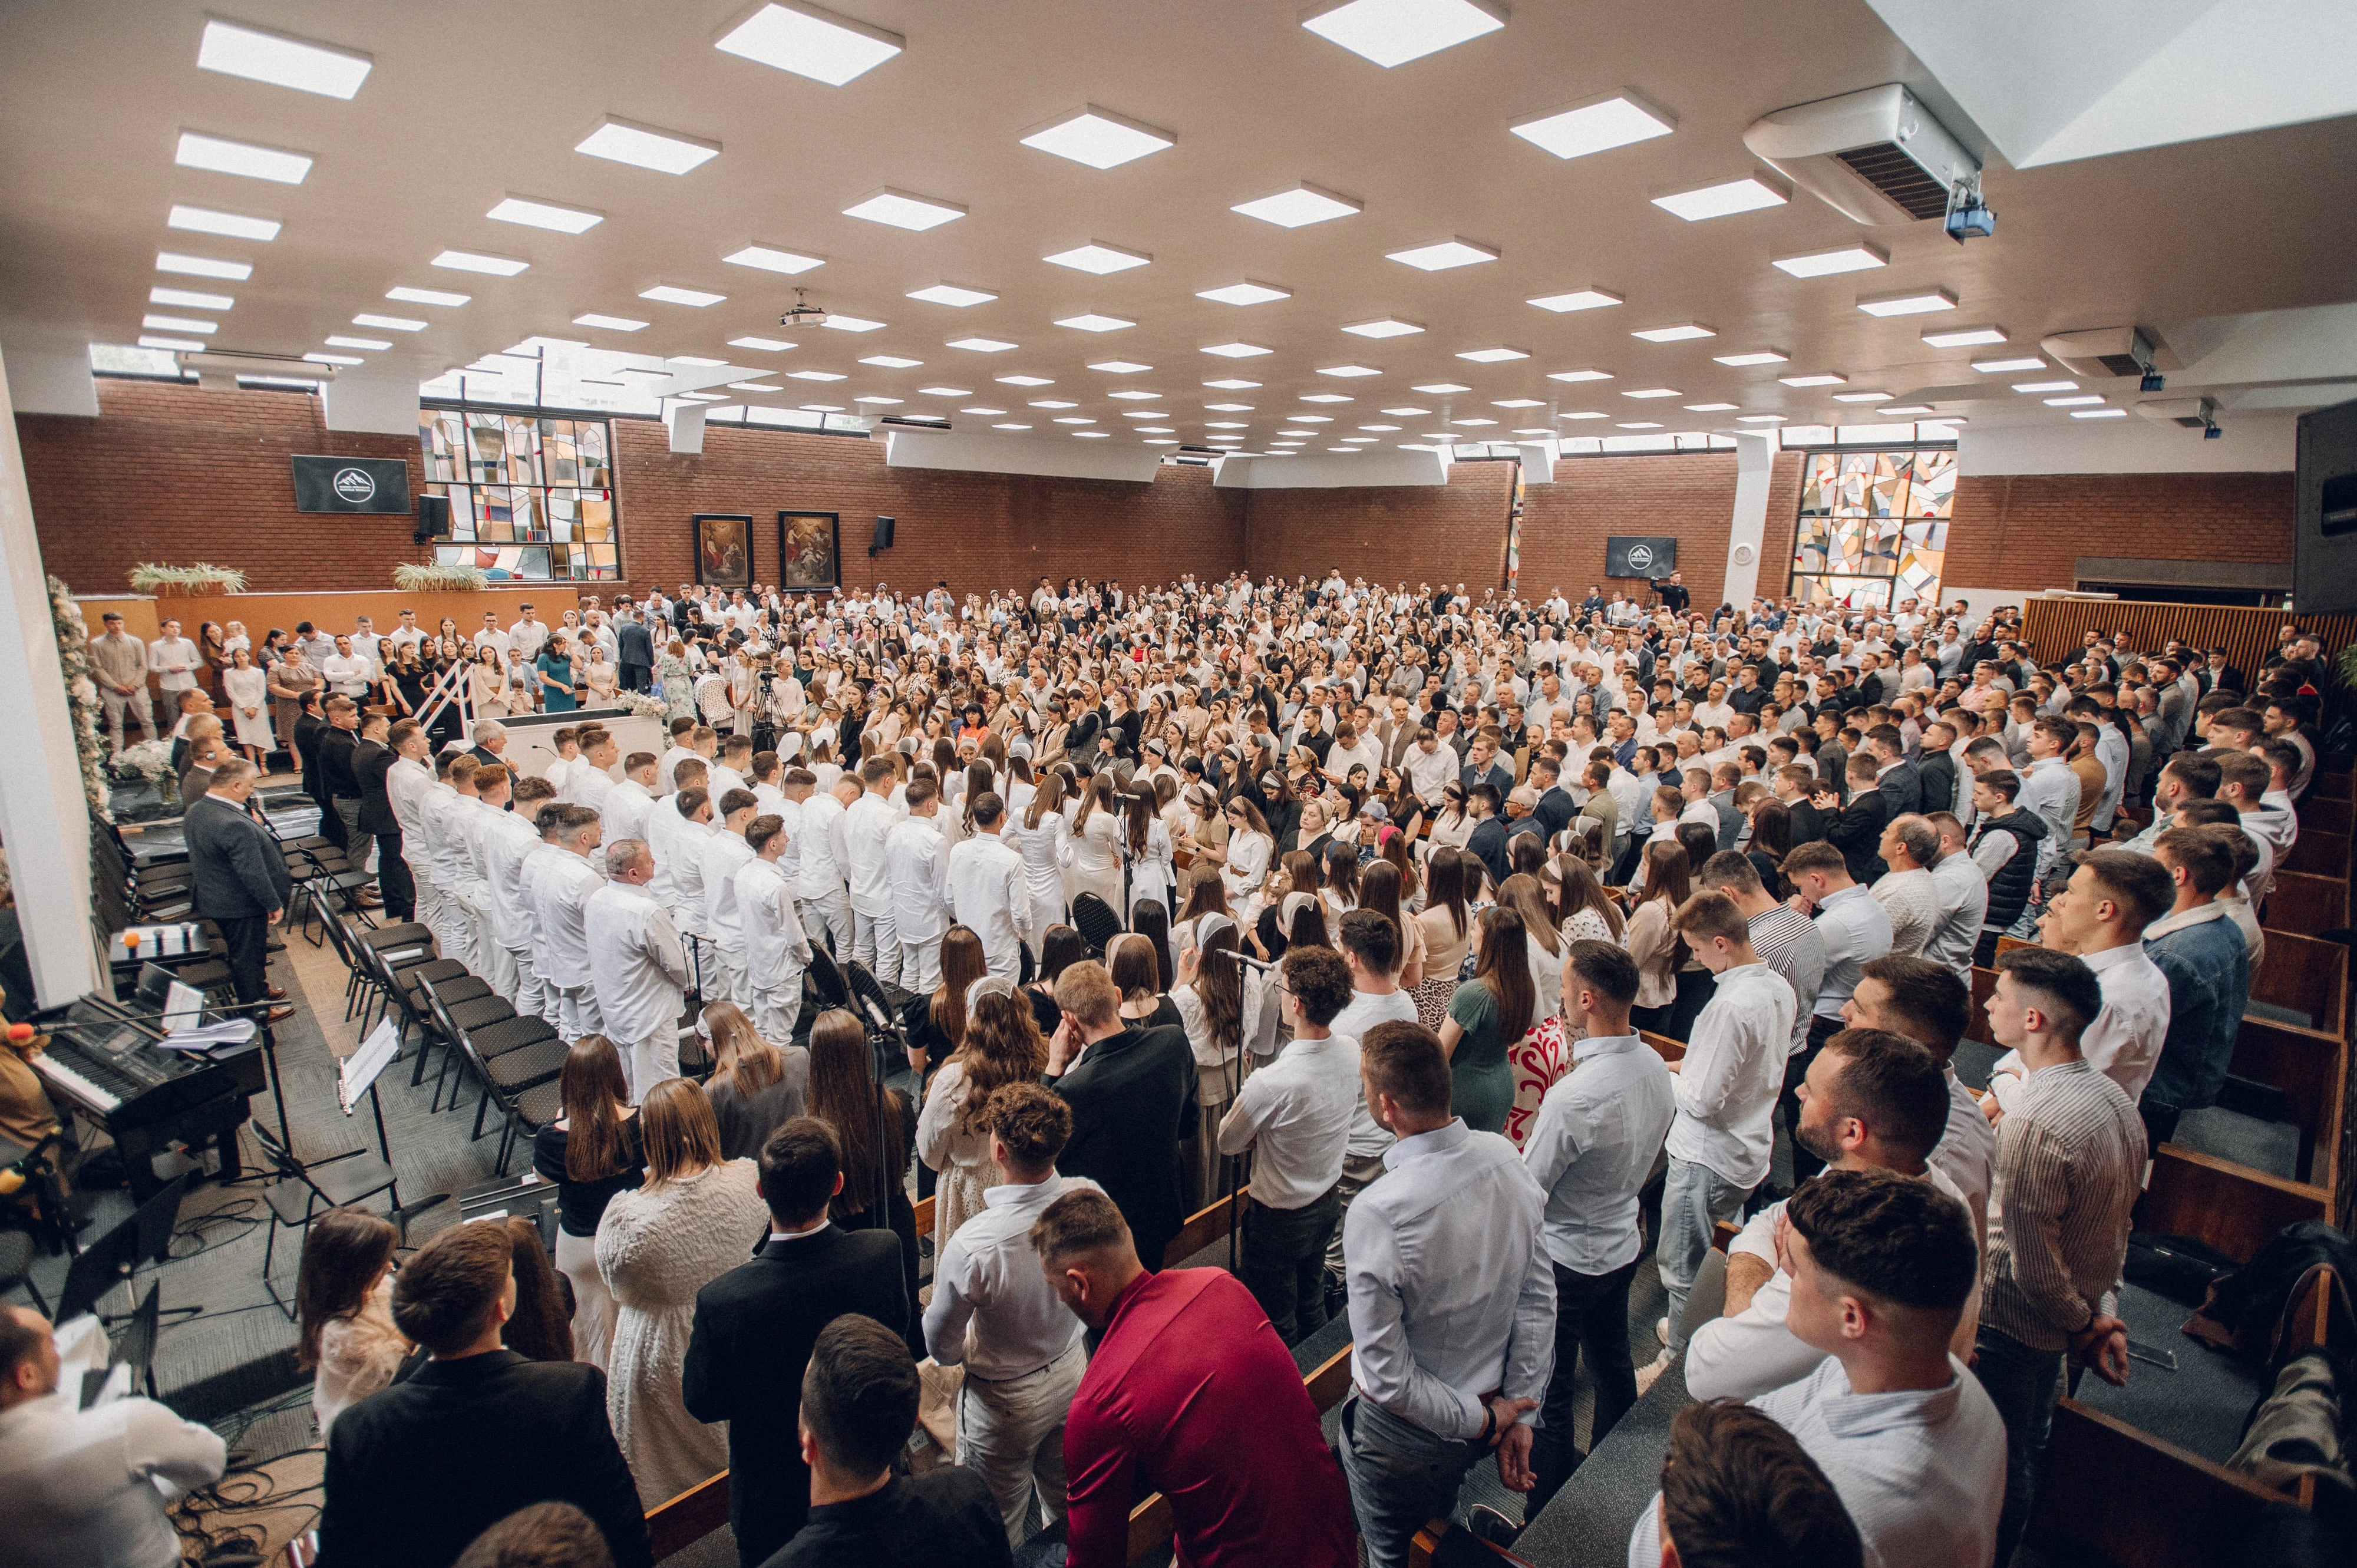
1909	846
491	738
640	968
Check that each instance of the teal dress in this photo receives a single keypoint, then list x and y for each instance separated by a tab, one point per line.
556	699
1482	1084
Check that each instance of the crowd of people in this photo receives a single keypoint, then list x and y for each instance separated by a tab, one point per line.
1440	916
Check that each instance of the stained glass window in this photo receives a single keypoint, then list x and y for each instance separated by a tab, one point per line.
531	499
1873	528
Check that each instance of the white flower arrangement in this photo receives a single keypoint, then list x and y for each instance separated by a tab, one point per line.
413	578
203	578
641	705
82	696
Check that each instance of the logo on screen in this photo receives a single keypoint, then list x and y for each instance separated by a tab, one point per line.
355	485
1640	556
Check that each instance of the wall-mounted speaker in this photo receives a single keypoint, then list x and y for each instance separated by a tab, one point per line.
432	518
883	536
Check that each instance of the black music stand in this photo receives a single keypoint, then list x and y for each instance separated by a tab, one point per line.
864	995
113	1257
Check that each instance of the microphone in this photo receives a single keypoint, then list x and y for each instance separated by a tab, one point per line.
883	1025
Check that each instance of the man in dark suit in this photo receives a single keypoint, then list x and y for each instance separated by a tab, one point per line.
309	730
635	655
1133	1097
241	881
339	743
756	1324
372	761
1900	783
1487	841
418	1470
1936	773
1856	828
1555	807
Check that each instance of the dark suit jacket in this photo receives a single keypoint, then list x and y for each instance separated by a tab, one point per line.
754	1328
1902	792
1488	842
239	870
417	1471
309	732
943	1519
1856	830
371	764
336	747
1936	782
1554	810
1808	823
634	645
1133	1099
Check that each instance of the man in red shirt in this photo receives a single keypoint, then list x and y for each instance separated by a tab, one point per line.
1191	1394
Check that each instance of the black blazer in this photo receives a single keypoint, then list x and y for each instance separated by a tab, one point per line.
1133	1099
417	1471
336	747
1808	823
240	873
1857	832
634	645
1902	792
371	763
1487	844
1936	782
309	732
754	1328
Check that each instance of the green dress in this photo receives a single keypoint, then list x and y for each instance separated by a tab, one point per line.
1481	1086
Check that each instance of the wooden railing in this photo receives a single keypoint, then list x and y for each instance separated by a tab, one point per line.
2056	629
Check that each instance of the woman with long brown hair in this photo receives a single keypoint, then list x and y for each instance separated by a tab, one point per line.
1379	894
1543	1054
1522	893
1210	997
1487	1014
697	1217
939	1029
1002	1045
1250	845
1451	878
1145	849
1038	835
1584	911
591	1152
877	1128
1137	975
1095	864
1659	952
343	1305
537	1327
756	1087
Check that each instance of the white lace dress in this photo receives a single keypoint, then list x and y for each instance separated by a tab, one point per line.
656	1248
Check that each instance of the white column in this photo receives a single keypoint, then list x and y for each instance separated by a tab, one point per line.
1748	527
44	814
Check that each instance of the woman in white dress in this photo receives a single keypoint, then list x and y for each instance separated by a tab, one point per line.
1250	848
249	699
697	1217
601	676
1038	835
1003	1046
1145	844
1095	860
1211	998
486	684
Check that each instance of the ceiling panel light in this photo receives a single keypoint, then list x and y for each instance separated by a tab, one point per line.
1596	126
1145	413
1441	388
192	324
1758	357
1726	197
1682	332
1712	407
1585	413
1824	380
988	412
1999	366
1406	412
668	294
1349	370
1298	207
1913	302
1379	427
1577	299
237	50
1297	435
1345	451
1393	32
333	359
1387	326
1099	258
1119	367
1224	407
333	341
1491	356
771	258
185	345
755	386
686	359
475	261
2045	386
1323	397
981	345
1964	336
428	297
390	323
1157	430
946	391
1053	402
643	146
1759	419
544	215
1443	254
1098	137
1517	402
1535	430
1027	381
212	153
1245	293
1135	394
1010	427
1825	263
232	225
2079	400
815	375
1654	392
1472	422
1574	376
1639	424
1904	411
1093	434
951	294
810	42
823	407
891	361
1361	440
900	210
202	266
189	300
1227	425
1236	351
761	345
1312	419
1161	441
1225	384
1862	397
2099	413
1093	322
877	400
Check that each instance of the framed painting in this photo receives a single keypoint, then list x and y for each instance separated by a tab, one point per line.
724	549
810	551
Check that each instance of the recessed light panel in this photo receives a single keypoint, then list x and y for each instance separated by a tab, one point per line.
984	412
389	323
189	300
810	42
1091	434
899	209
2045	386
1905	411
1757	356
1999	367
1712	407
1224	407
1245	293
1091	321
475	261
333	360
1098	138
981	345
891	361
1441	388
887	400
1597	125
428	297
1226	383
1585	413
1119	367
1490	356
1349	370
643	146
1685	331
771	258
193	324
2077	400
1388	327
1443	254
1516	402
1312	419
222	157
1759	419
1135	394
1579	376
1393	32
1726	197
544	215
1297	208
1577	299
229	225
1099	258
1236	351
762	345
1654	392
257	56
951	294
1010	427
2100	413
837	321
1472	423
1964	336
1144	413
1825	263
1862	397
334	340
668	294
814	375
945	391
1914	302
1407	413
1226	424
1824	380
1027	381
1323	397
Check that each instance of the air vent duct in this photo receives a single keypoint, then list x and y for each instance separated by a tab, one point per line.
1877	156
2111	351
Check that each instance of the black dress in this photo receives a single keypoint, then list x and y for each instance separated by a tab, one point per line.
860	1211
581	1204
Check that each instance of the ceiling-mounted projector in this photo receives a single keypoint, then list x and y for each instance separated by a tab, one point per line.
219	368
803	313
2185	413
1877	156
2113	351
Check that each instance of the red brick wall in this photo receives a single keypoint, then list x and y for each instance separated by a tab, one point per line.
2027	530
1411	533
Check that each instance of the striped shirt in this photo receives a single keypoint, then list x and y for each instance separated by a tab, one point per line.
2069	1156
1788	943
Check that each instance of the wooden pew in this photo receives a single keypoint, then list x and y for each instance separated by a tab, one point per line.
688	1518
2321	816
1421	1550
2331	786
2232	1207
2108	1493
1668	1049
2310	1068
1150	1522
2319	854
2302	904
2308	976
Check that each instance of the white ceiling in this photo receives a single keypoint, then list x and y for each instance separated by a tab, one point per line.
2227	240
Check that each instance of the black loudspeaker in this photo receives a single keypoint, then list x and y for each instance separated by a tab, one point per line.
432	518
2324	541
883	536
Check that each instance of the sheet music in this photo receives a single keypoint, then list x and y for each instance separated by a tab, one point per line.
359	1071
184	1008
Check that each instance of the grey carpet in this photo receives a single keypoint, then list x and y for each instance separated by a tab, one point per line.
2200	1406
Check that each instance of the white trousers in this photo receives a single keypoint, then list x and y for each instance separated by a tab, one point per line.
827	918
531	999
499	972
1012	1435
650	1062
577	1012
724	976
775	1013
594	1307
875	942
920	964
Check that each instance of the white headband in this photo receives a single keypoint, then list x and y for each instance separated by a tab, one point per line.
988	985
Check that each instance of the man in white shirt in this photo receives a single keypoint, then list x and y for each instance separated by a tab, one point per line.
986	894
490	636
723	855
174	661
507	843
89	1487
406	784
822	891
1727	1087
1370	944
527	636
2048	787
1297	1114
2100	914
733	770
1431	762
562	892
641	973
993	1312
776	950
867	824
1963	892
406	634
347	671
917	865
681	748
119	662
630	804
